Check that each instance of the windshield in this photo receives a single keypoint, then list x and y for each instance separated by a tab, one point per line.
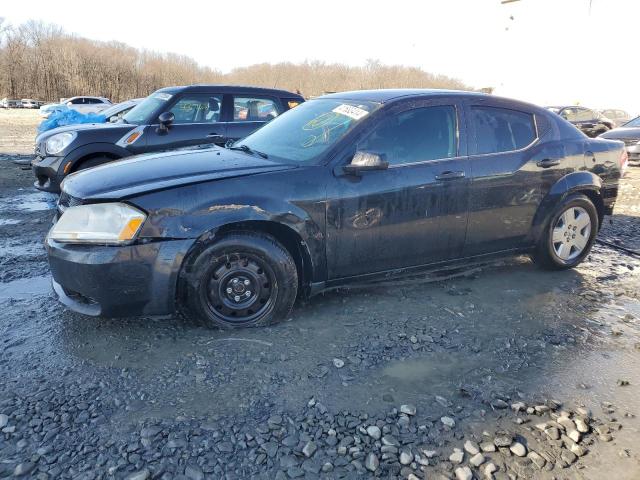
141	112
303	134
633	123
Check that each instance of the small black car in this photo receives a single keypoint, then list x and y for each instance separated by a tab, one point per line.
629	133
170	118
347	187
590	122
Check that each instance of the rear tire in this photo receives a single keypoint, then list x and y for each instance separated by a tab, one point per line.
569	234
242	280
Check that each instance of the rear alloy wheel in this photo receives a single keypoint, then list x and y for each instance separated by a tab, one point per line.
569	235
242	280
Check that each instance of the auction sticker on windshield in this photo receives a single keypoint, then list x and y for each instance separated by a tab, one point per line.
350	111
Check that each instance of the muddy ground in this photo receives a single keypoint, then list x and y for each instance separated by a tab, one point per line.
321	395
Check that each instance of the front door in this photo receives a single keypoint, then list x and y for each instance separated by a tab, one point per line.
196	122
414	212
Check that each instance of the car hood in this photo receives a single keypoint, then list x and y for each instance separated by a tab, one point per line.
80	127
151	172
622	132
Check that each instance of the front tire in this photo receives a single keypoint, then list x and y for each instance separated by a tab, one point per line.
569	234
241	280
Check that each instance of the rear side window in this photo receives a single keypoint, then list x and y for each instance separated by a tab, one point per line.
502	130
417	135
251	109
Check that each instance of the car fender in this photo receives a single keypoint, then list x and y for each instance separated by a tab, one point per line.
255	212
573	182
92	149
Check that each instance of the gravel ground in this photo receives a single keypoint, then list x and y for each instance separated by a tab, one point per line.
505	368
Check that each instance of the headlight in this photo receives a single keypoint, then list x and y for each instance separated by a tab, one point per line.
104	223
60	141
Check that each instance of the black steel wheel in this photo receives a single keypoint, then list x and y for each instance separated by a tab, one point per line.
241	280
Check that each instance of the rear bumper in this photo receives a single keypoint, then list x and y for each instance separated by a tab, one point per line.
117	281
46	171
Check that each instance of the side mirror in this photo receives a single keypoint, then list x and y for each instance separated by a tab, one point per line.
364	161
165	120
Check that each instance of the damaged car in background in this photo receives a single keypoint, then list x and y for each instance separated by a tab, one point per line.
174	117
348	187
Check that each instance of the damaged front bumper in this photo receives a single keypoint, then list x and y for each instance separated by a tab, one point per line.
46	170
117	281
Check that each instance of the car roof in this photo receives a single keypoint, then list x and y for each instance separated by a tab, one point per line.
86	96
386	95
244	89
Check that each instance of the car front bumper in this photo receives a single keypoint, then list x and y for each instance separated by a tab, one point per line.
117	281
46	170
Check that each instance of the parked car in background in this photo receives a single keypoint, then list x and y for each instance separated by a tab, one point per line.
175	117
629	133
49	108
10	103
348	187
591	122
116	112
29	103
619	117
80	104
65	116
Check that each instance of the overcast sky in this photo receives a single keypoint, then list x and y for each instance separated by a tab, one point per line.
552	52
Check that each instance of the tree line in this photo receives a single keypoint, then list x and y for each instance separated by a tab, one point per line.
42	61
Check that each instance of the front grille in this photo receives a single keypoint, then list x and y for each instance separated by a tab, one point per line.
39	150
630	141
65	201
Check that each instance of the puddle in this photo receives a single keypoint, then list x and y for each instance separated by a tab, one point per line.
8	221
27	250
29	202
25	288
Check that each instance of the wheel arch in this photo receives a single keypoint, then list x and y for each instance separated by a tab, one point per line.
584	182
92	150
289	238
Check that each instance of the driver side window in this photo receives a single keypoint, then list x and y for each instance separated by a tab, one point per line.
417	135
201	108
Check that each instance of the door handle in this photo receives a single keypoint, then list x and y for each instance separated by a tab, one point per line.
449	175
214	135
548	163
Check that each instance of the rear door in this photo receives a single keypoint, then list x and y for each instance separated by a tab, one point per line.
512	170
196	123
250	112
414	212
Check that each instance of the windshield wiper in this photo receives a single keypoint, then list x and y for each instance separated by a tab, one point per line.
247	149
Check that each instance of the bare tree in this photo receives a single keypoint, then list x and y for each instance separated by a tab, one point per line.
39	60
